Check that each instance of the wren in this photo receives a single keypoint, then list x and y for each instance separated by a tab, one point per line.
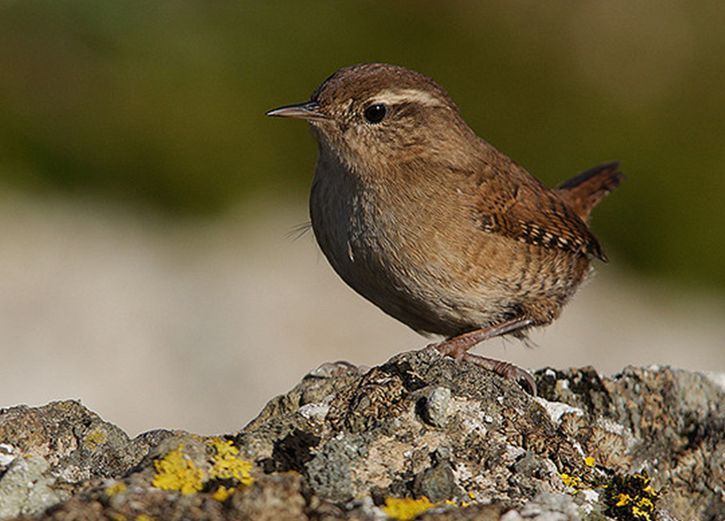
431	223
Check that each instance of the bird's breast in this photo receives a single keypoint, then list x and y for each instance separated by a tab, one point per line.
345	217
390	245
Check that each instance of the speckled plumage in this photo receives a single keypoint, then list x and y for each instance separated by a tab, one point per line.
430	222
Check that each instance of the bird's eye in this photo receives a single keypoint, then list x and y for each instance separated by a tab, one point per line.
375	113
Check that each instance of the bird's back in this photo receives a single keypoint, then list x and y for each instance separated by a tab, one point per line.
453	253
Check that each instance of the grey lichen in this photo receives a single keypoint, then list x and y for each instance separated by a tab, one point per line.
26	488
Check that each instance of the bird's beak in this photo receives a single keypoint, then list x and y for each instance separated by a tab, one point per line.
307	110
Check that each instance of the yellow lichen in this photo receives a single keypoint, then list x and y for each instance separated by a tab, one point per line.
176	471
571	481
116	488
95	438
589	461
144	517
623	500
640	513
631	498
645	503
227	464
461	503
406	509
222	493
650	491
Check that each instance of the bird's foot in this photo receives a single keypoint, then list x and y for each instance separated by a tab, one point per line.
501	368
506	370
458	347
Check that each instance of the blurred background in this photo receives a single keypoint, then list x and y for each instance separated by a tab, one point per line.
146	264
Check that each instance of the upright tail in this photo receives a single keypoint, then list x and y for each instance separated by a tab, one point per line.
582	192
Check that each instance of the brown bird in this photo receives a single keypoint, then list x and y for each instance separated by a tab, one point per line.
431	223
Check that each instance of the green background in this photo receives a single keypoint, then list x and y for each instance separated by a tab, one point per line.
161	104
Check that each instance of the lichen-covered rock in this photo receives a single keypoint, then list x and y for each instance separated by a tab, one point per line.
52	451
421	435
26	488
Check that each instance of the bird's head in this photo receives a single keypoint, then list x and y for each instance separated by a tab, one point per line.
376	116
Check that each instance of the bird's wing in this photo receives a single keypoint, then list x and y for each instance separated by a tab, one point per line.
517	206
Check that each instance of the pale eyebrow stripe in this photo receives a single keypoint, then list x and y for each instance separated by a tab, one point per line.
392	97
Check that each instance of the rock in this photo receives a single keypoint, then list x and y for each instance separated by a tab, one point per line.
434	406
420	435
26	489
437	483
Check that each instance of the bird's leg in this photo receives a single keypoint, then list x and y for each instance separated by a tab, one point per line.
457	347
